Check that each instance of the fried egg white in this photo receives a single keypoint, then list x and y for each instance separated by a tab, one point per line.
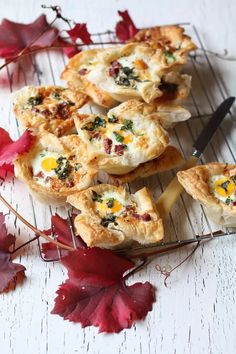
223	188
44	165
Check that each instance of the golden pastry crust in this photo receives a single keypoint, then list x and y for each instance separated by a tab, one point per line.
134	70
137	221
196	182
167	113
76	79
47	108
118	147
170	38
169	159
55	189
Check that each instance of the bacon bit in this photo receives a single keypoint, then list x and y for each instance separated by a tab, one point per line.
114	69
70	184
96	135
39	175
46	112
83	71
63	110
130	207
144	217
119	150
107	145
35	110
234	203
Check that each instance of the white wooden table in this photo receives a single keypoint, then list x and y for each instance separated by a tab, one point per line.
197	312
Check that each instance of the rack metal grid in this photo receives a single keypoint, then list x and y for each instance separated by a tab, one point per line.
187	221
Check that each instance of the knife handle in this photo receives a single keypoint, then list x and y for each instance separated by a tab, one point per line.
173	191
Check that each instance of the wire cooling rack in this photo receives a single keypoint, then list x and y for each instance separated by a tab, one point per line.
187	221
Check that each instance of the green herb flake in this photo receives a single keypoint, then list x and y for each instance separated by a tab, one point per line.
96	197
228	201
63	169
98	122
78	166
113	119
110	218
126	77
170	58
128	125
119	137
224	185
110	202
34	101
55	95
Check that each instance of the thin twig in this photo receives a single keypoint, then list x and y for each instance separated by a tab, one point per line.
25	244
34	229
168	273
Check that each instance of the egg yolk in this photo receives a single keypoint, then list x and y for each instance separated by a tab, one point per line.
103	207
224	187
127	138
49	164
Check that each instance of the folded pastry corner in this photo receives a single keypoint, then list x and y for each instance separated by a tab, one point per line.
214	186
111	217
168	113
54	168
47	107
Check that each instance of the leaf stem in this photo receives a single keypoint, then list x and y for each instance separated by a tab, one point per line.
24	244
34	229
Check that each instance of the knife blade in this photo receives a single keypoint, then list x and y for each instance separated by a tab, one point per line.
174	188
210	128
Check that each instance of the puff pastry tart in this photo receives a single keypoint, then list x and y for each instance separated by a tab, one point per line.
167	113
111	217
54	168
118	145
214	186
134	70
47	107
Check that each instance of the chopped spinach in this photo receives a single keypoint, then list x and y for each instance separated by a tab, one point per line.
108	219
113	119
126	77
96	197
78	166
63	169
128	125
35	100
224	185
234	179
228	201
110	202
170	58
98	122
119	137
55	95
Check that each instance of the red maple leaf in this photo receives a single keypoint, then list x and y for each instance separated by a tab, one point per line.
62	233
10	149
8	270
95	292
125	29
14	37
80	31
